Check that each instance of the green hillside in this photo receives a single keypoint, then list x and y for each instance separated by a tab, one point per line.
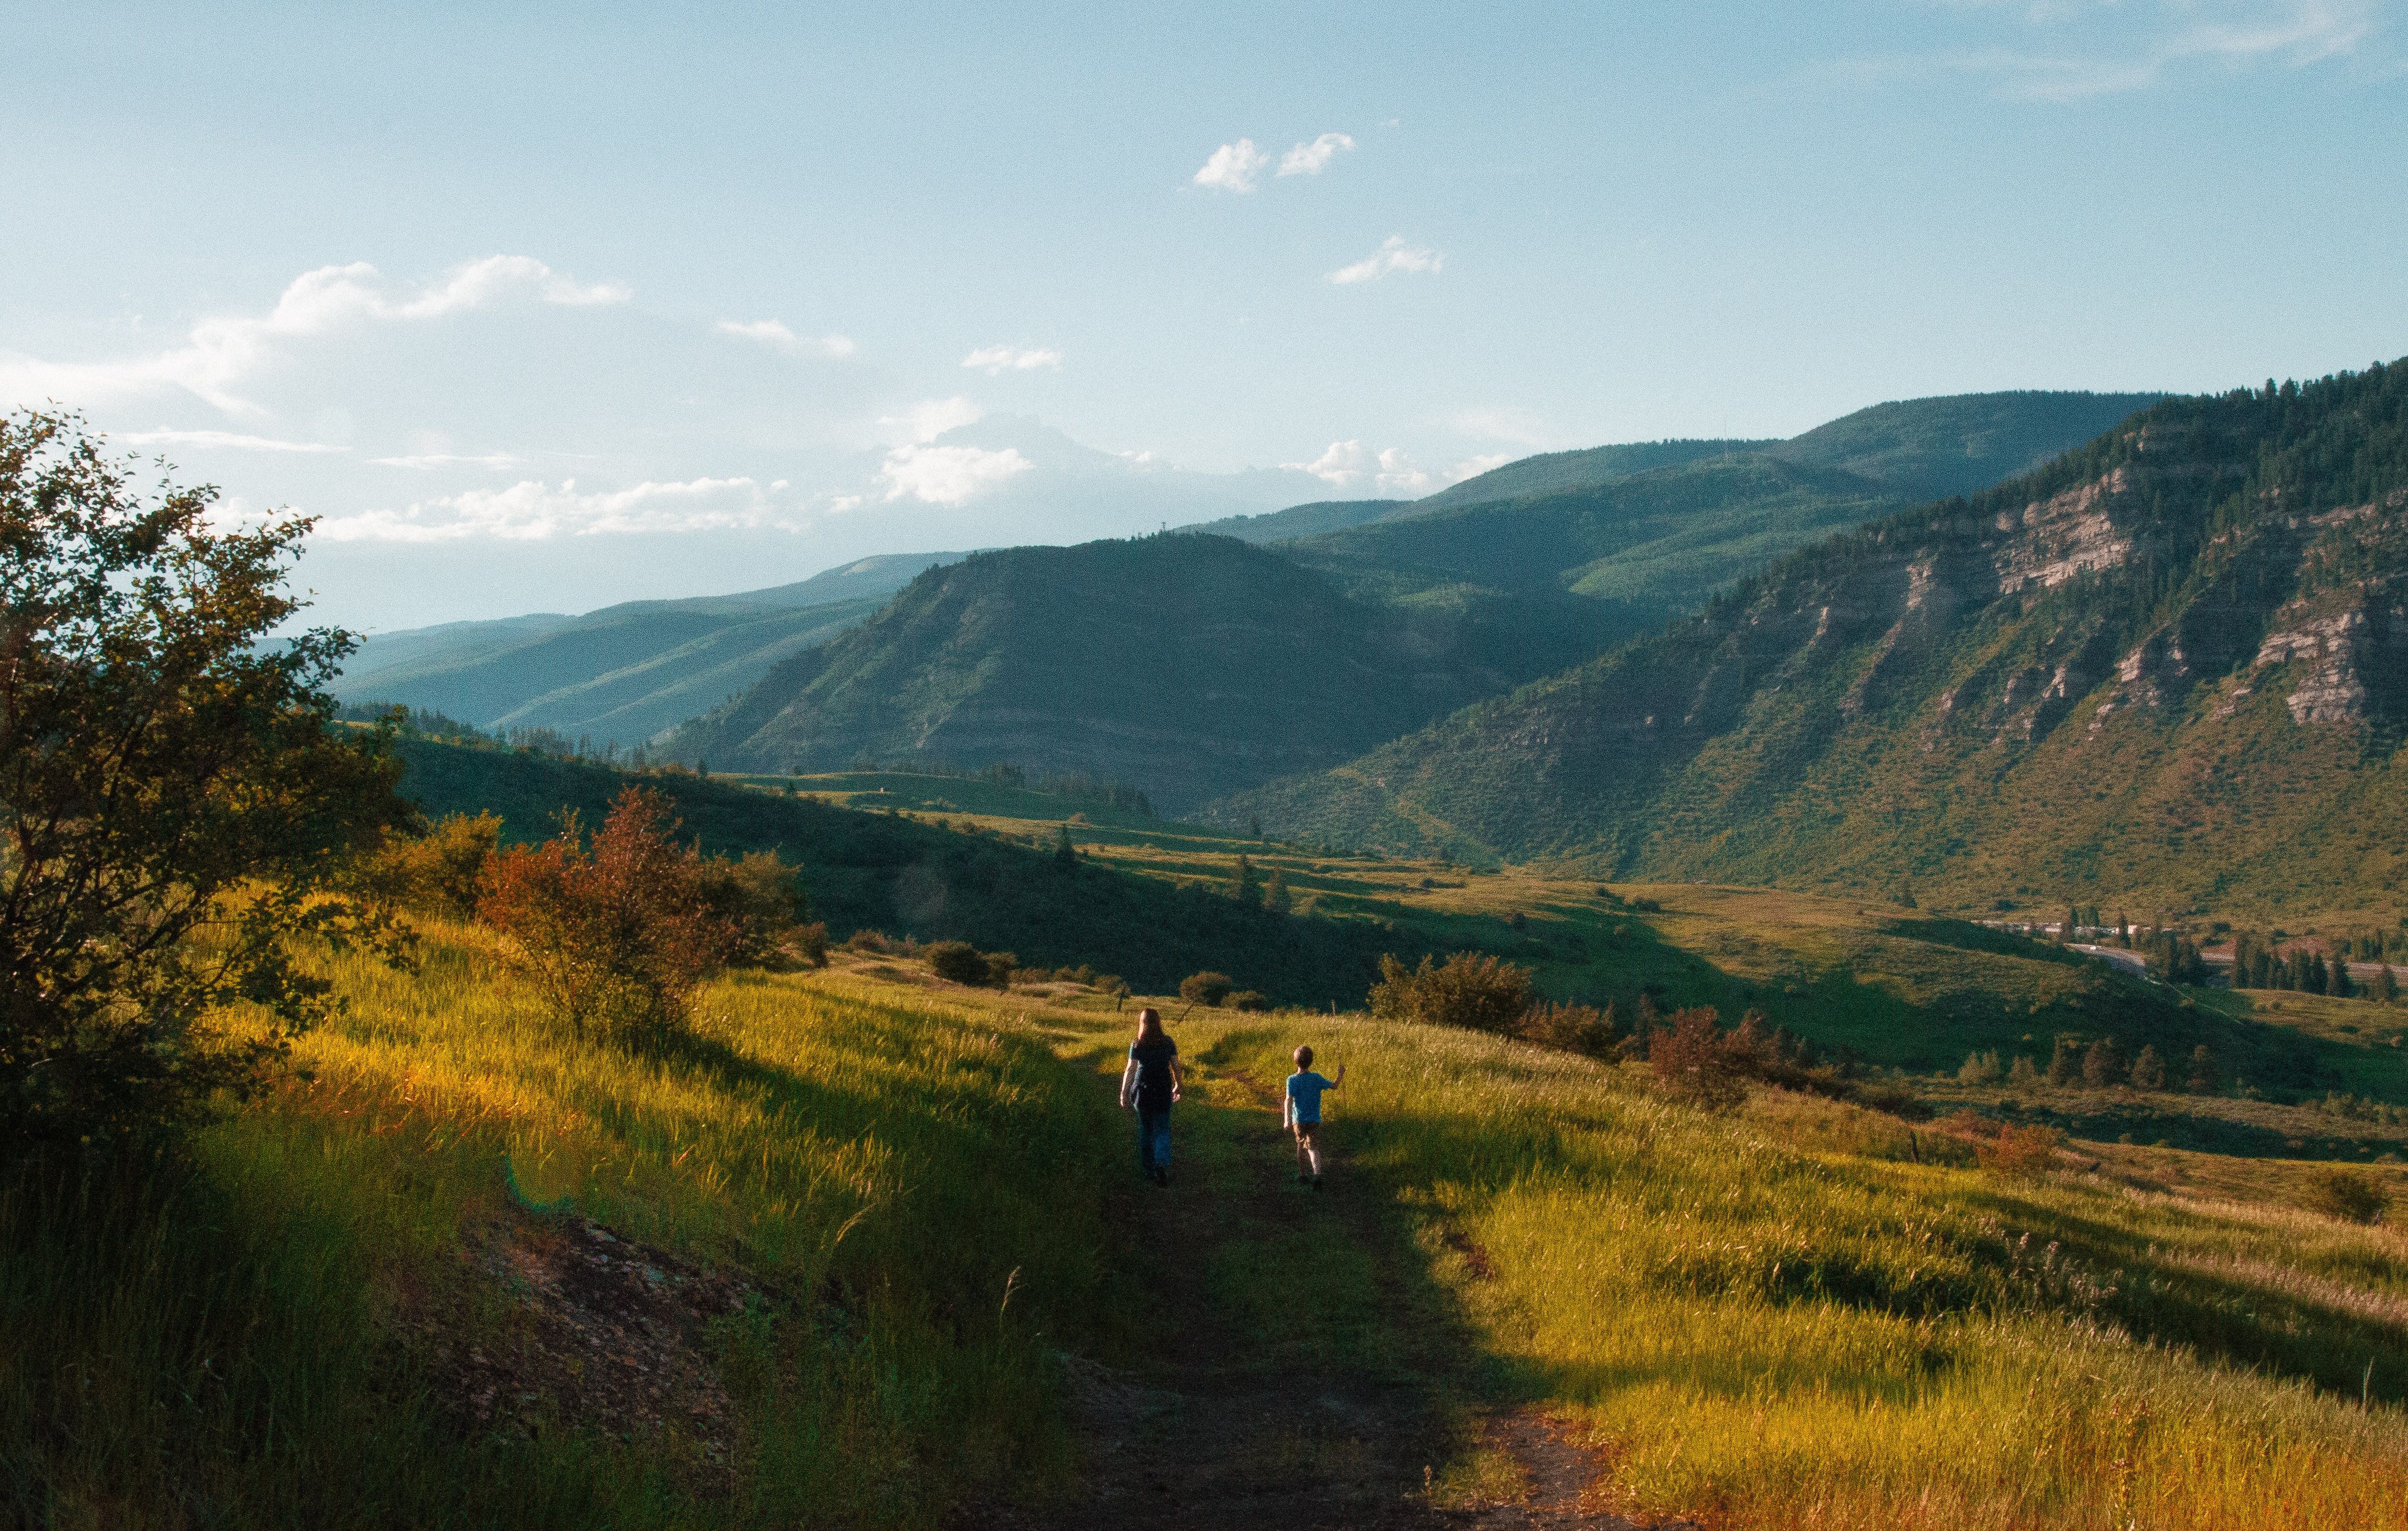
1933	448
624	673
1553	472
2170	668
1186	664
883	872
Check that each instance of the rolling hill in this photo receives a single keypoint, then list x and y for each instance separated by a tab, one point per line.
625	673
1189	666
2170	667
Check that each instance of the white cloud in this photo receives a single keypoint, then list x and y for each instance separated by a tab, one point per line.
1233	167
446	459
1390	471
1394	255
773	333
229	440
532	510
1312	159
948	475
2144	46
928	420
220	353
1507	422
996	359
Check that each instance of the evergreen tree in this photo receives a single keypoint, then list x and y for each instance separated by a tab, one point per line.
1275	895
2070	932
1245	886
2337	977
2148	1070
2386	987
1065	854
2204	1078
2102	1065
2023	1074
2064	1064
2317	978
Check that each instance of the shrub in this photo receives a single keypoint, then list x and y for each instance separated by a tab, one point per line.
2349	1194
1695	1061
1204	988
619	938
1000	965
2019	1153
437	871
1574	1028
2149	1070
1248	1001
958	962
760	900
1472	989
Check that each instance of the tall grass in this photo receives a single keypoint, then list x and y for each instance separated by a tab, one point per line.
219	1339
1767	1336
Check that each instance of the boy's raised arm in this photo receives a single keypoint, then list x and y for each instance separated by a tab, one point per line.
1340	1079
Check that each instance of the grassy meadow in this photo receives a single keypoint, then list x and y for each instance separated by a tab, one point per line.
910	1207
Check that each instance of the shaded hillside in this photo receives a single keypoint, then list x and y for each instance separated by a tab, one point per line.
902	877
1553	472
2170	667
1962	444
1186	664
626	672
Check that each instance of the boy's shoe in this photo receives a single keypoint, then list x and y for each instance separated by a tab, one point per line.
1316	1182
1161	1177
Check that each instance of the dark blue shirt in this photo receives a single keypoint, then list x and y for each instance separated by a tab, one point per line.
1152	1060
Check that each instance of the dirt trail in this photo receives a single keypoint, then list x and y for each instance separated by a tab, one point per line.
1303	1370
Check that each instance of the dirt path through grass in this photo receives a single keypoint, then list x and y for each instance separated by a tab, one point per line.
1297	1364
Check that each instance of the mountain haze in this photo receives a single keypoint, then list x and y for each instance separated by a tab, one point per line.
2172	667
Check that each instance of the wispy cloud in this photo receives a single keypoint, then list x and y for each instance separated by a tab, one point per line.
447	459
1233	167
533	510
226	440
996	360
1394	255
949	476
220	353
1312	159
1391	470
777	337
2068	60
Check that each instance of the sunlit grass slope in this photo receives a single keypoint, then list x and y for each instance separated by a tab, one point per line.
1771	1337
225	1347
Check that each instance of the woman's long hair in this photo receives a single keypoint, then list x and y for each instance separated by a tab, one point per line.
1149	1024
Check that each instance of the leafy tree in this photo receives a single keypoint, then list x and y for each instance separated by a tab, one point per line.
2350	1195
1206	988
1573	1028
957	962
2148	1070
1002	966
177	807
2204	1078
1471	989
617	938
761	900
2064	1064
436	871
1248	1001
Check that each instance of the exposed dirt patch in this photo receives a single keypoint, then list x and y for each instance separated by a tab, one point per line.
600	1333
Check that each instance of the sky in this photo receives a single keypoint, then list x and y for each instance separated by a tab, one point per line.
541	308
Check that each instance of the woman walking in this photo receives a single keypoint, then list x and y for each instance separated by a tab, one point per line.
1150	1083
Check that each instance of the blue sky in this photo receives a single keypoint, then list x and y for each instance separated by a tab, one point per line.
543	308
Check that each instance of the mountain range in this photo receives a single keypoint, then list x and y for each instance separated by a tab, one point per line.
2171	665
1639	532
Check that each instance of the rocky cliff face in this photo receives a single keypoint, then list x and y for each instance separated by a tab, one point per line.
2152	651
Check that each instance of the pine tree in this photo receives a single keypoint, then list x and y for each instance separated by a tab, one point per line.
1066	852
2386	987
1275	894
1244	885
2022	1073
2337	977
2101	1066
2204	1076
2064	1063
2148	1070
2068	933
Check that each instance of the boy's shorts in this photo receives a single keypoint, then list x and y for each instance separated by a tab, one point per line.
1308	1129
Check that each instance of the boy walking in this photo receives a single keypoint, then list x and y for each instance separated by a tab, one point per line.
1301	1112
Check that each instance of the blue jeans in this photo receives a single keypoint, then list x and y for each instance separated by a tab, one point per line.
1153	1138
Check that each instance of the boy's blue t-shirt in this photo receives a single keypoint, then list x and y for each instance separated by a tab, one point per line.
1304	1097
